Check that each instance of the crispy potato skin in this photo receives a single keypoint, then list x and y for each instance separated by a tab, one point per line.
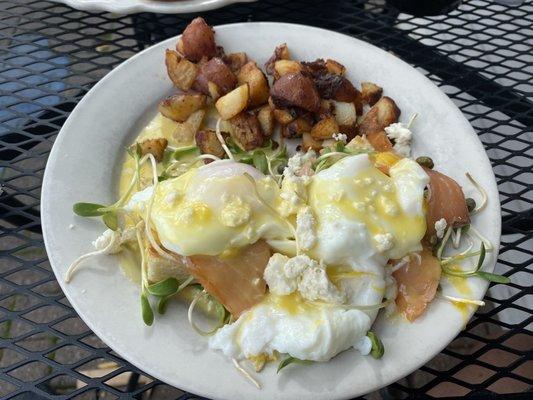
246	131
370	92
217	72
198	41
265	115
156	147
284	117
295	90
310	143
381	115
257	81
335	67
208	143
284	67
298	127
234	102
180	106
181	71
235	61
280	53
325	128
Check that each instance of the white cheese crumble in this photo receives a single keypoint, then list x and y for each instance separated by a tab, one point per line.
235	212
71	226
110	240
305	228
340	137
402	138
285	275
440	227
384	241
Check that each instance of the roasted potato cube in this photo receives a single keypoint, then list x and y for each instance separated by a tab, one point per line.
379	141
181	71
337	87
208	143
284	117
246	131
257	82
284	67
156	147
280	53
295	90
198	41
296	128
235	61
344	113
310	143
265	115
185	131
325	128
234	102
180	106
370	92
335	67
381	115
215	78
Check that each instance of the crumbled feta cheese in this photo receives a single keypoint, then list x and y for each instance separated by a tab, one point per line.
340	137
235	212
384	241
440	227
296	164
285	275
109	240
364	346
305	228
71	226
402	138
293	194
388	206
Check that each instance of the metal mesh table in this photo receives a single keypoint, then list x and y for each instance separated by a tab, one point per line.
50	55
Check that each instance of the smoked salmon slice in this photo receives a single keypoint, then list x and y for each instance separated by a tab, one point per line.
446	200
236	281
417	284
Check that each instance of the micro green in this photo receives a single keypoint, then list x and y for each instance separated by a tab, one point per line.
377	350
146	309
291	360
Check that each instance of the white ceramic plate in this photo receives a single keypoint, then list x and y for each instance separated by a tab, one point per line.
84	165
155	6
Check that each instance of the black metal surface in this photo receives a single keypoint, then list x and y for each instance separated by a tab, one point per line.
50	55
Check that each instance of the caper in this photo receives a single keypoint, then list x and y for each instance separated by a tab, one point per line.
470	204
425	162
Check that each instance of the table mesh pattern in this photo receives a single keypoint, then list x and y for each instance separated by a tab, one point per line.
479	54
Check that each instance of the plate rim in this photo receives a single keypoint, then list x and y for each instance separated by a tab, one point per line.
46	186
156	6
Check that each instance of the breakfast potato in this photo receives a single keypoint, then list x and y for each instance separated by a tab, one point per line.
234	102
335	67
257	82
344	113
185	131
215	78
208	143
284	67
265	116
296	128
325	128
280	53
295	90
198	41
181	71
310	143
381	115
235	61
156	147
370	92
246	131
284	117
180	106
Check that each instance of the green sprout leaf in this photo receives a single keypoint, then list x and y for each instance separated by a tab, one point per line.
162	304
184	151
111	220
146	308
164	288
88	209
291	360
339	146
493	277
481	259
377	346
260	162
